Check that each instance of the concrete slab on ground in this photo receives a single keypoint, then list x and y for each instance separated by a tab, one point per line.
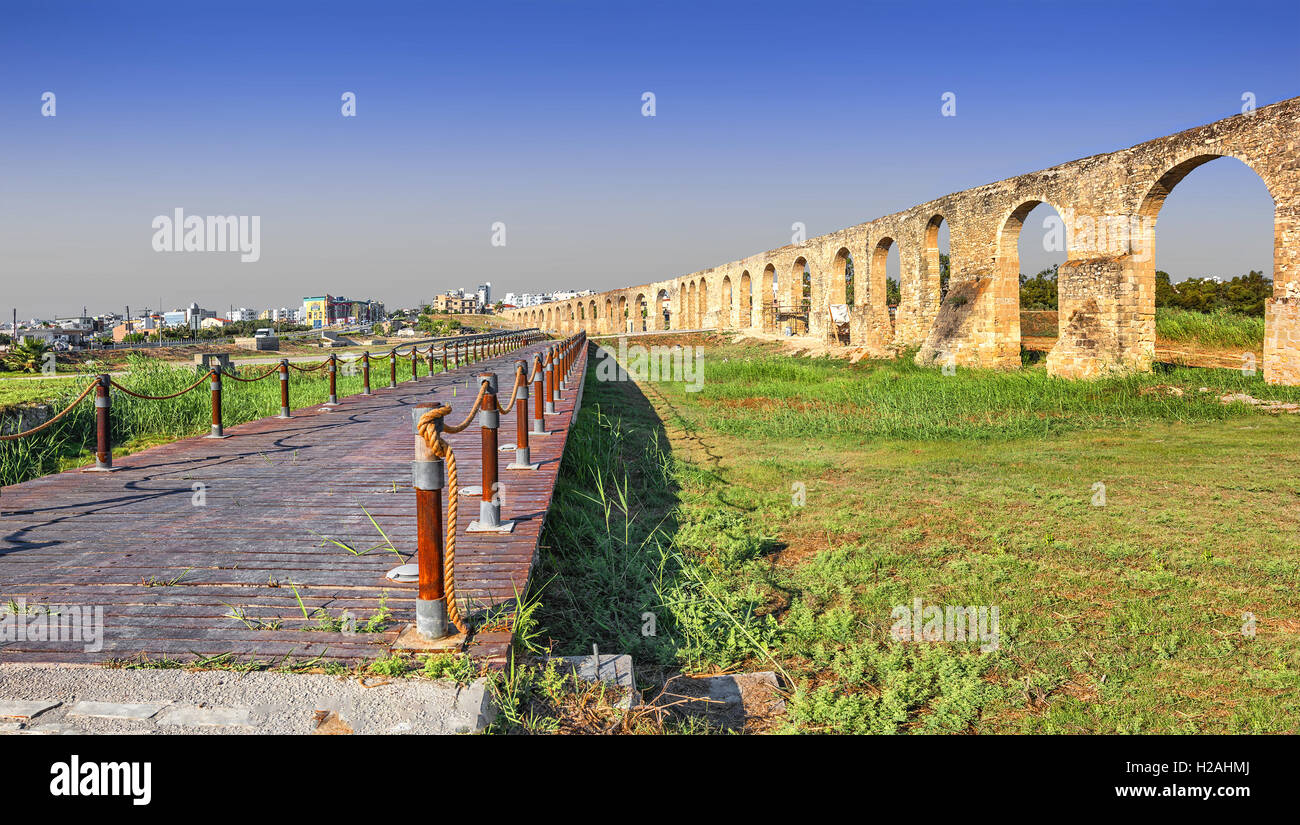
738	701
89	699
612	668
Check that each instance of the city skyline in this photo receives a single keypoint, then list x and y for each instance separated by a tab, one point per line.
522	124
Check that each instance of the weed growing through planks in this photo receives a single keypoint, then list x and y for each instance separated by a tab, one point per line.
377	623
154	581
386	544
231	661
240	615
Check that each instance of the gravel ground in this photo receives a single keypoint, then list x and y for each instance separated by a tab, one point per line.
222	702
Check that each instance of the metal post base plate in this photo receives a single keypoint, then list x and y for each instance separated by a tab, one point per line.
478	527
410	639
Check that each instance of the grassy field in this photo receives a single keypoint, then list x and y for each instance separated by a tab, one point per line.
1168	606
1222	330
14	391
1209	330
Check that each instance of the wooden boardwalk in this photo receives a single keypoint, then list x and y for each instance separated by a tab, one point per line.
174	575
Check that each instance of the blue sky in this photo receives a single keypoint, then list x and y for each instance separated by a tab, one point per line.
530	114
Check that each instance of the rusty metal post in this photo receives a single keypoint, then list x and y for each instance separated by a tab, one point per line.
365	373
214	383
444	356
392	369
539	417
428	359
523	455
489	508
427	477
558	383
103	435
333	371
284	388
563	370
415	363
549	372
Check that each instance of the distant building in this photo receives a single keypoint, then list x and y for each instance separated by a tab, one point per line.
149	325
328	310
454	304
55	336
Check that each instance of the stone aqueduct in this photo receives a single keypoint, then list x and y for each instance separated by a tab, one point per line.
1108	203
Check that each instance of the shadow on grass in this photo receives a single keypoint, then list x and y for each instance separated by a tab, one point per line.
606	545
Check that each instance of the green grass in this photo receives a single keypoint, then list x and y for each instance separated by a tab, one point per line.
750	392
1125	617
14	391
1215	330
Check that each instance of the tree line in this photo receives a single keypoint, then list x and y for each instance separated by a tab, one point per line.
1244	294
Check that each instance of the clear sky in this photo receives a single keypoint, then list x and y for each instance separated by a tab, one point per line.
530	114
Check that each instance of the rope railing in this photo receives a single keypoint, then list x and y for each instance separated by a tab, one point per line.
236	376
54	420
168	397
436	605
103	385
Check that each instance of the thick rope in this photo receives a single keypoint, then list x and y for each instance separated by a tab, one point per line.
520	380
321	365
441	449
206	376
478	403
231	375
54	420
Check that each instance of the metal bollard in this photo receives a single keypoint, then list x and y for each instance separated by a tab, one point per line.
558	383
563	370
489	508
539	417
214	383
549	372
523	455
427	477
284	387
428	359
103	443
333	371
365	373
444	357
392	369
415	364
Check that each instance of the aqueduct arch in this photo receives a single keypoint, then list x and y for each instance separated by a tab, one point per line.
1109	204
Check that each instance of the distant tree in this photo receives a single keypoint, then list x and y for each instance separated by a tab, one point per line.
893	296
1245	294
1165	295
945	272
27	356
1039	292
